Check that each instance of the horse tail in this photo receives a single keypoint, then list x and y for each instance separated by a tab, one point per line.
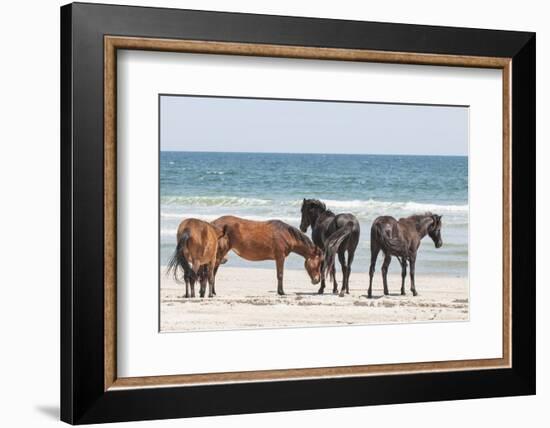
333	243
394	245
178	258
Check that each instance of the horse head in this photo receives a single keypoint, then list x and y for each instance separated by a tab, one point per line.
434	230
311	208
313	265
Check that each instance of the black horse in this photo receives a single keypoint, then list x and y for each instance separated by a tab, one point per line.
334	234
401	239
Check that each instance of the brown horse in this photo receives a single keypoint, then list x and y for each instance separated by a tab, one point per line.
271	240
401	239
199	251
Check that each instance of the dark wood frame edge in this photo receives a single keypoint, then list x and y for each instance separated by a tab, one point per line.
83	396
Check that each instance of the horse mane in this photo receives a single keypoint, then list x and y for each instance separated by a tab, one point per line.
418	218
299	236
320	205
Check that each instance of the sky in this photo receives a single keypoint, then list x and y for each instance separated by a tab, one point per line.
214	124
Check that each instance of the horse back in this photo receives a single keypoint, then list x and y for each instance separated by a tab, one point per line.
343	219
386	224
202	241
250	239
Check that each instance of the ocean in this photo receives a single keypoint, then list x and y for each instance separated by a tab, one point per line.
262	186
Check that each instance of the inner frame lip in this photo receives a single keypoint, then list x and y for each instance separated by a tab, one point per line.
113	43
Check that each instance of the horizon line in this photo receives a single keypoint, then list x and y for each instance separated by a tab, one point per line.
317	153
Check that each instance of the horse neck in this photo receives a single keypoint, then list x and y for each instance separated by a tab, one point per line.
315	218
302	249
320	216
423	225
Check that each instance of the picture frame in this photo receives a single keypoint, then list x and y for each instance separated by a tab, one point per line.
91	391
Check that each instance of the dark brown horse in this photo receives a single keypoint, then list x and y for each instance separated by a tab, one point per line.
401	239
334	233
199	251
271	240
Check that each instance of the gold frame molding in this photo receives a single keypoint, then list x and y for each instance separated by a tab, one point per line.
113	43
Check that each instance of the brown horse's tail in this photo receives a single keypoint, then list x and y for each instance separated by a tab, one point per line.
178	259
333	244
377	235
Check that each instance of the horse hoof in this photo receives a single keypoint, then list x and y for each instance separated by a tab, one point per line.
321	291
415	293
341	295
403	293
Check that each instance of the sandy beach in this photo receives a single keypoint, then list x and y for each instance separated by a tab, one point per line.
247	298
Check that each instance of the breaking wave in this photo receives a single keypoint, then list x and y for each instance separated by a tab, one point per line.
208	201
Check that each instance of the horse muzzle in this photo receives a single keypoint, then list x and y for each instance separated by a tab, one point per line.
439	244
316	281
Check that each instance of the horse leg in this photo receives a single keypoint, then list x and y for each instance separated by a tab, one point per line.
203	272
192	284
211	279
199	279
333	278
195	275
342	259
214	285
280	263
186	278
351	254
322	287
412	266
385	265
373	256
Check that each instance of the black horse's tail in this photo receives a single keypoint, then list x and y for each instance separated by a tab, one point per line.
178	259
333	243
377	235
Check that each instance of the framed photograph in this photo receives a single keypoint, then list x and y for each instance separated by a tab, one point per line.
265	213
